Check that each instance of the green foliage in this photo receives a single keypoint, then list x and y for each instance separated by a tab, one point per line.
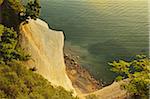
8	43
21	12
121	67
16	5
17	82
118	78
9	13
32	10
1	30
137	71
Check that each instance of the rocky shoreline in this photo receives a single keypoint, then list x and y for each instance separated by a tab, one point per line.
81	78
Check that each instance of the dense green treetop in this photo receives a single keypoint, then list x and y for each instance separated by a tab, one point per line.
8	46
137	72
31	10
21	12
16	5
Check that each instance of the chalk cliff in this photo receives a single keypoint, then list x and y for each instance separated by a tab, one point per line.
46	48
113	91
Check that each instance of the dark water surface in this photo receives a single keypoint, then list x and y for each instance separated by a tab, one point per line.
100	31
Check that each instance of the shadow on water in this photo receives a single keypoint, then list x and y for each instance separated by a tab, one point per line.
107	52
108	49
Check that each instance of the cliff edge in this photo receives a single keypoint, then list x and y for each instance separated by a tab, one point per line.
113	91
46	48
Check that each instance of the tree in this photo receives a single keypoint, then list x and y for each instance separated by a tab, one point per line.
8	46
16	5
7	43
31	10
137	72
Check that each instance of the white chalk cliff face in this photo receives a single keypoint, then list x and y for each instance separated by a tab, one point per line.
46	49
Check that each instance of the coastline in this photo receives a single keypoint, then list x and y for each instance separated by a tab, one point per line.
82	80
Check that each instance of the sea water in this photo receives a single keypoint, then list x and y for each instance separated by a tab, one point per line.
100	31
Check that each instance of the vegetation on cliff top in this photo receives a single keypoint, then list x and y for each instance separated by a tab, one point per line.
16	81
8	45
13	12
137	72
30	10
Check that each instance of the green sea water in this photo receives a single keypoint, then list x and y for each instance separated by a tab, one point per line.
100	31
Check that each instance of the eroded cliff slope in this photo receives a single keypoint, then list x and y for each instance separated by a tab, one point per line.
113	91
46	48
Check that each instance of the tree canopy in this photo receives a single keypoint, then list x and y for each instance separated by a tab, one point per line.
8	46
31	10
136	71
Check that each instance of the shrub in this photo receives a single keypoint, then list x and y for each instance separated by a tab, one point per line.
31	10
8	45
17	81
137	72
